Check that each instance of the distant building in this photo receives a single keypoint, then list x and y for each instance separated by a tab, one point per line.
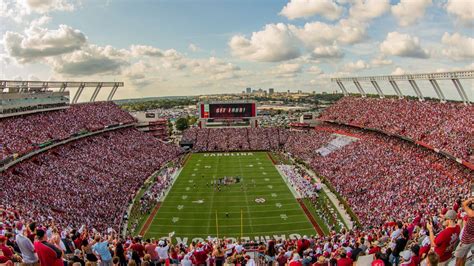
271	91
152	123
248	90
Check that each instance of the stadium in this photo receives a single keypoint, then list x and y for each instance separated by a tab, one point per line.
376	170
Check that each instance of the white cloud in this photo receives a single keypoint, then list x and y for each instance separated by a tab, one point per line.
90	60
366	10
46	6
138	74
276	42
408	12
37	42
288	70
463	10
380	61
17	10
145	50
458	47
315	70
307	8
193	47
355	66
33	78
398	71
332	51
315	34
403	45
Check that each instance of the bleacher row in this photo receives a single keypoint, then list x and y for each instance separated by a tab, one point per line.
445	126
22	134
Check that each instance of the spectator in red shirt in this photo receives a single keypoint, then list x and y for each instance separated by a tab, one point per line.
344	260
321	261
138	247
302	245
378	261
48	254
7	251
415	258
150	248
295	261
445	242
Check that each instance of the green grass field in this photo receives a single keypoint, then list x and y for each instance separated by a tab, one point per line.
190	207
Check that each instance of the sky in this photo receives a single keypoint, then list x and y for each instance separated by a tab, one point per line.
191	47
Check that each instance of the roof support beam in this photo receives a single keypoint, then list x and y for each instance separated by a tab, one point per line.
377	88
96	92
78	93
63	87
416	89
359	87
438	90
112	93
461	91
396	88
341	86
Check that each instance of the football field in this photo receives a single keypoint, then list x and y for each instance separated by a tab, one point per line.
255	201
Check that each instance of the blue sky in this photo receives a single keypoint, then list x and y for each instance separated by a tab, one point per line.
176	47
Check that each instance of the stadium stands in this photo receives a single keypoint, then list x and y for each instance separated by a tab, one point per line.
22	134
396	188
445	126
90	181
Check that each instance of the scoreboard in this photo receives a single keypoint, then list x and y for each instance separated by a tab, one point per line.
227	114
228	110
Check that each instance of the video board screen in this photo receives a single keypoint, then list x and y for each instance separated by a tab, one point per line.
228	110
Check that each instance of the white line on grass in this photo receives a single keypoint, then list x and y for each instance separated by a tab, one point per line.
275	210
224	226
204	219
246	200
259	233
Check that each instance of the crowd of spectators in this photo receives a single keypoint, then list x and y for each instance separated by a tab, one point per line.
151	196
304	145
21	134
236	139
90	181
384	178
299	180
446	126
431	239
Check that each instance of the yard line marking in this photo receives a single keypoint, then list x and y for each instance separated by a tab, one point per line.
246	199
259	233
231	212
176	219
204	219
